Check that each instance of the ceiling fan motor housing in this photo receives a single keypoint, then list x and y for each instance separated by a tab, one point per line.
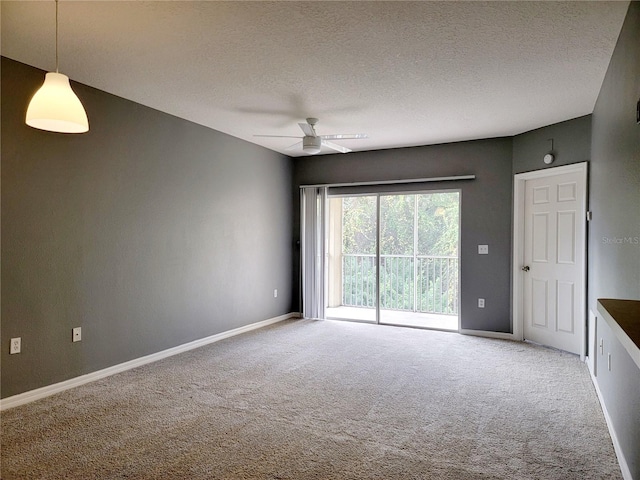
311	144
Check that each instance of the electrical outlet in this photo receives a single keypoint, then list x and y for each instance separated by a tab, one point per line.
483	249
275	293
76	334
16	345
481	303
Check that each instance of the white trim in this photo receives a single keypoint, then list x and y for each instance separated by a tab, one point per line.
49	390
519	181
487	334
591	359
377	259
459	259
624	466
393	182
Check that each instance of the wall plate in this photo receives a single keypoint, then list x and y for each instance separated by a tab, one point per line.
76	334
15	346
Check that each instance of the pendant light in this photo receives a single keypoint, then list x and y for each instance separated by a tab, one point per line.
55	107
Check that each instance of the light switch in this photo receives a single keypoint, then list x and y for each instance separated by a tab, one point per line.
483	249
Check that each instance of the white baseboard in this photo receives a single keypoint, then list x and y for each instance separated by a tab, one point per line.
624	467
482	333
49	390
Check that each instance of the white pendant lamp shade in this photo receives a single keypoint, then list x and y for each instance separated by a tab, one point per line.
56	108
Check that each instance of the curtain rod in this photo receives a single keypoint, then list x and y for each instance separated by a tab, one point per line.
392	182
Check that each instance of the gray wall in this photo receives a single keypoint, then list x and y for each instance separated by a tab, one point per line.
485	212
614	268
571	144
620	389
149	232
615	173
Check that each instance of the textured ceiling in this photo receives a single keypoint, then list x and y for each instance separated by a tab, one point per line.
406	73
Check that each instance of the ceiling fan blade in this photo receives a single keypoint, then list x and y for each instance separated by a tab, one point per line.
295	146
307	129
278	136
345	136
335	146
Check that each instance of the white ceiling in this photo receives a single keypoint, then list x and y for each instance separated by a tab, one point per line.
406	73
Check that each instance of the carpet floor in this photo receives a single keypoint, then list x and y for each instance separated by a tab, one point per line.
324	400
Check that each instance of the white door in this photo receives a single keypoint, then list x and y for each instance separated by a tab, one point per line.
554	256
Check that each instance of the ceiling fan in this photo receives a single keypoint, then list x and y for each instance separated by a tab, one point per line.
312	143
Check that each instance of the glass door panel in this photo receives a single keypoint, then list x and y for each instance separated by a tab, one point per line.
419	260
438	254
351	258
397	260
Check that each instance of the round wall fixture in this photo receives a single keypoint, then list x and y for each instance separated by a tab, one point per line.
548	158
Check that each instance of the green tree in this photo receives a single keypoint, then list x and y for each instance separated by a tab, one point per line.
359	225
438	219
397	224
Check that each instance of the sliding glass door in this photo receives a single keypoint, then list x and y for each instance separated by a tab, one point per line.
404	246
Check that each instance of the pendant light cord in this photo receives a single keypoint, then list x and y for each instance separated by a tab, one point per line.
57	36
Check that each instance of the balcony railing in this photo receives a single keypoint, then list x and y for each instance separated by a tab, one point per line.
421	283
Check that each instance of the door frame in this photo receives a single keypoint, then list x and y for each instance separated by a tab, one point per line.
519	182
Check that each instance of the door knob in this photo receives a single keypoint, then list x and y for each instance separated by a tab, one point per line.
525	268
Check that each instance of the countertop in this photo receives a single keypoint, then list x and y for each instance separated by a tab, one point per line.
623	316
